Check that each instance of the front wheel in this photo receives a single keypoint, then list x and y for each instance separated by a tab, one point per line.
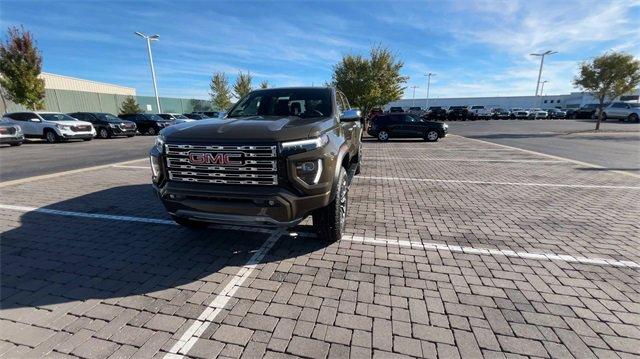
431	136
152	131
189	223
51	137
104	133
634	118
383	136
329	222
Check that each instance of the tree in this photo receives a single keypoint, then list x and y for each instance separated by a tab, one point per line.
242	85
370	82
20	66
609	76
220	92
130	106
264	84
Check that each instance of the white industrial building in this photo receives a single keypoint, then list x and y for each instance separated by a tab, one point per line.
572	100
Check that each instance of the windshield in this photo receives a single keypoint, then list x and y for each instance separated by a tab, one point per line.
285	102
180	117
108	117
56	117
155	118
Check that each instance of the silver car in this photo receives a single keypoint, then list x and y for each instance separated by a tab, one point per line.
10	133
623	111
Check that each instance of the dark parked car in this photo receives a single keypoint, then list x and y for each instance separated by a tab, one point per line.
147	123
195	116
209	114
458	113
556	113
106	124
436	113
406	126
587	111
396	109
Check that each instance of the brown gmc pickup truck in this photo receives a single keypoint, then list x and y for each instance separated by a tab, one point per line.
278	156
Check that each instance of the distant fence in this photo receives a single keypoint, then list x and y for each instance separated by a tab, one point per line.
73	101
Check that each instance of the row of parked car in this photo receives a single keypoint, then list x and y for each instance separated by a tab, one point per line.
56	127
623	111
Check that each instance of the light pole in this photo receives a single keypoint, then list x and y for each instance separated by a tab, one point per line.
413	99
153	72
428	86
542	55
542	87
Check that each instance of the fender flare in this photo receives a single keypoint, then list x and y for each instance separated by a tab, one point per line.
342	152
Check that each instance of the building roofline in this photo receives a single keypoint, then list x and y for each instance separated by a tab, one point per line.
85	80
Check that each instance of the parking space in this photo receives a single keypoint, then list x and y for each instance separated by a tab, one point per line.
460	248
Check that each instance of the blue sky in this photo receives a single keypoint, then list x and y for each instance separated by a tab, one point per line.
476	48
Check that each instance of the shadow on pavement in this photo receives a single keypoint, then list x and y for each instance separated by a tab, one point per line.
52	259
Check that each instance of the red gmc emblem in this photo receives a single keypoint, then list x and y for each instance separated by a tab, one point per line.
206	158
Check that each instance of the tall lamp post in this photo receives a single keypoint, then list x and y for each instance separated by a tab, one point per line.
154	37
413	99
428	86
542	55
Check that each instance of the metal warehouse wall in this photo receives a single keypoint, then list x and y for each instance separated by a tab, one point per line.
72	101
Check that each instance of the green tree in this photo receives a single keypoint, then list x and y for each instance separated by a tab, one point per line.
608	76
20	66
220	92
264	84
129	106
370	82
242	85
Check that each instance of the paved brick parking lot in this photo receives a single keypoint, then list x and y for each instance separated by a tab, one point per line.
456	248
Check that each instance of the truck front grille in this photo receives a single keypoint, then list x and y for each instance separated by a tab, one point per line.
224	164
81	128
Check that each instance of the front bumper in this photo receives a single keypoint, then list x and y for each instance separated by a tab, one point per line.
242	205
10	139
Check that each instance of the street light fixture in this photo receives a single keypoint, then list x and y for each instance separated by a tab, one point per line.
154	37
542	55
542	87
428	86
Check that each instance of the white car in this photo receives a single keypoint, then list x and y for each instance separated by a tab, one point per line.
537	113
623	111
52	126
519	113
481	111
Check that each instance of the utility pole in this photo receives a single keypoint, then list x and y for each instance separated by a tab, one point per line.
413	100
542	55
542	92
153	72
428	86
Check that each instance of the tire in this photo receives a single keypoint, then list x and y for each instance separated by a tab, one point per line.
383	136
152	131
329	222
633	118
189	223
431	136
104	133
15	144
51	136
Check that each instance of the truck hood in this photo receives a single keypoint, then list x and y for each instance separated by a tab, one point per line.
252	128
70	123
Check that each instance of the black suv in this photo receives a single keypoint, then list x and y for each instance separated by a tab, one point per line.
106	124
437	113
147	123
458	113
406	126
279	156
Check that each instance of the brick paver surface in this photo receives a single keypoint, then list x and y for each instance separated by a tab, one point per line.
100	288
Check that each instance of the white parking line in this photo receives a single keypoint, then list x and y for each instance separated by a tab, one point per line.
64	173
495	182
373	241
442	149
463	160
490	251
133	167
190	337
552	156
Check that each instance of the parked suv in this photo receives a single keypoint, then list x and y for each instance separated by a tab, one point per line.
406	126
436	113
458	113
52	126
10	133
106	124
279	156
623	111
481	112
147	123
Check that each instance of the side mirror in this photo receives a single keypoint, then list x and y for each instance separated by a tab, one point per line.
351	115
35	120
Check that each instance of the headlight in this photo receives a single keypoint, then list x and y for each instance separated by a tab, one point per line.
63	127
155	167
112	125
159	145
292	147
309	171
